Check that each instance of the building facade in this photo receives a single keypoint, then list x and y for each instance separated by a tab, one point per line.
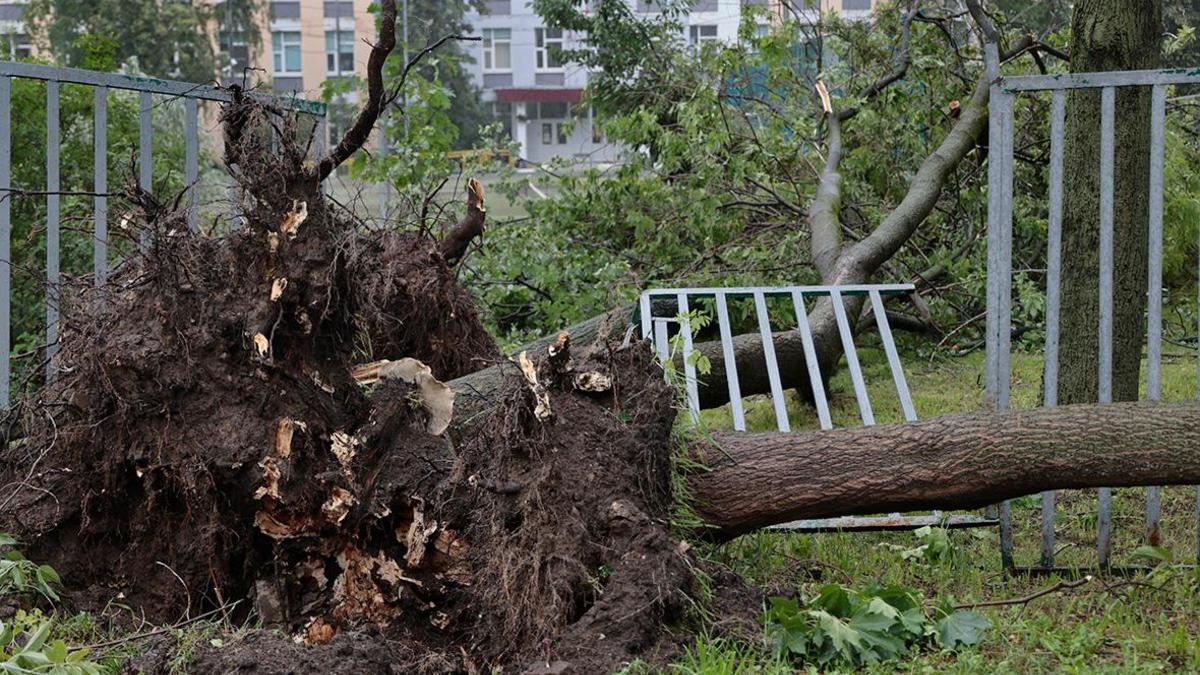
304	43
540	101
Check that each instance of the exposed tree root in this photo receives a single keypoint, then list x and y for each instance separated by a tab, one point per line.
205	442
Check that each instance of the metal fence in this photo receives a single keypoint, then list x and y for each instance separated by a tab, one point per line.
149	90
999	300
658	319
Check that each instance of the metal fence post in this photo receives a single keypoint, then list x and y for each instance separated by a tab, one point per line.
53	295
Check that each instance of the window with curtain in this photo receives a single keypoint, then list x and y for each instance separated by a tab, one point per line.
497	50
339	52
286	48
548	42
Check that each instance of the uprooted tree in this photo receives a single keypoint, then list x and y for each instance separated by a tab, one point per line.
259	421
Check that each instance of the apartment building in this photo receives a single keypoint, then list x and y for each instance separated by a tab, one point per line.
540	102
302	42
305	42
14	38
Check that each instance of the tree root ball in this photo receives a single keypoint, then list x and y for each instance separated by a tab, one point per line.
204	446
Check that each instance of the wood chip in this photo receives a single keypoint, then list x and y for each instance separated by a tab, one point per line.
277	288
541	408
337	507
292	221
262	345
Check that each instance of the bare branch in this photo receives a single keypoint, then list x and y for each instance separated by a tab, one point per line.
358	134
429	49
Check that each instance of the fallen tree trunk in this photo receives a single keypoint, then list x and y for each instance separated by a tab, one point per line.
953	462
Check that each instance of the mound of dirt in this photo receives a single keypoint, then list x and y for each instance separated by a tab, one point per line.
205	444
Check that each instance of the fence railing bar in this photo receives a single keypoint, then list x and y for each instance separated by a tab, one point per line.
1058	115
661	344
1004	359
234	194
1107	114
192	159
731	374
889	347
992	289
37	71
5	237
784	291
1158	107
1004	104
856	376
100	186
644	311
768	342
689	367
53	221
1126	78
810	361
145	149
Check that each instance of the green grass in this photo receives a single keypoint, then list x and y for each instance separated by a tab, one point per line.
1106	625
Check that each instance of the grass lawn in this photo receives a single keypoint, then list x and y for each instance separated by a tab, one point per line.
1143	623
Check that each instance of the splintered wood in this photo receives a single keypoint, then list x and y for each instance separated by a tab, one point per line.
436	397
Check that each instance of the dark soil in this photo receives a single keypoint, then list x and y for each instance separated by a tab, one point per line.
204	445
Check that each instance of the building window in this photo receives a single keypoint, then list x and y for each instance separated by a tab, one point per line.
286	46
497	50
15	46
701	34
547	133
561	127
549	42
551	110
856	4
236	53
339	52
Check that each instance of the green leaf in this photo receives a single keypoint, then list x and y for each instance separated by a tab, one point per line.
834	599
7	539
913	621
881	607
57	651
48	574
962	629
1154	553
844	638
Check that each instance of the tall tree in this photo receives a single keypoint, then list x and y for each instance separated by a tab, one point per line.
167	39
1107	35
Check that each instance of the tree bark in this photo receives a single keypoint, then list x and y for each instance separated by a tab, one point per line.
1107	35
954	462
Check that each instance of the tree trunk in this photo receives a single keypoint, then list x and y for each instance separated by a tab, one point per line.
1107	35
954	462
